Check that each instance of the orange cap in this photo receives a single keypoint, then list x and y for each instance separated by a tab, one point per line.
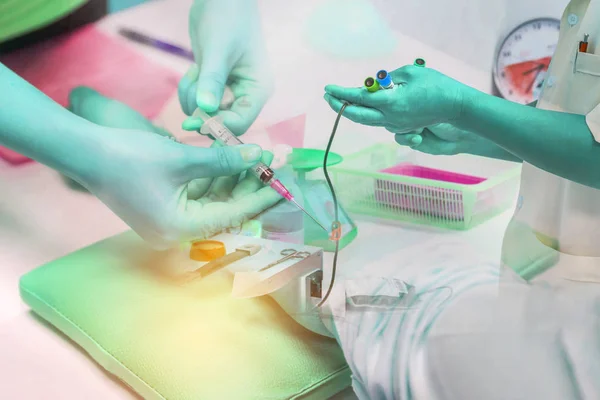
336	231
207	250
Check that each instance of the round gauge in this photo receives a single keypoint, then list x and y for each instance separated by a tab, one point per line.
523	58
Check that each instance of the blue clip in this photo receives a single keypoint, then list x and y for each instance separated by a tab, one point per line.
384	79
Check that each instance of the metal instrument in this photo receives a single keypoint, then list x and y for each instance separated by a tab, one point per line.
287	255
222	262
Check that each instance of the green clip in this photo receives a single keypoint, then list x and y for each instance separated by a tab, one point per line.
371	84
419	62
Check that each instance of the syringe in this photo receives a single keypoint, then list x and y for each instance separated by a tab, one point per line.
214	127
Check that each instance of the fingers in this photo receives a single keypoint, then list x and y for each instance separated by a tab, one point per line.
252	204
428	143
359	96
162	132
358	114
200	221
194	122
251	183
244	110
404	74
186	90
222	186
256	202
212	78
411	140
249	99
374	100
226	187
104	111
78	94
189	106
198	188
215	162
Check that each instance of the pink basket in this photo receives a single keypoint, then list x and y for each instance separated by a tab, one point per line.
408	169
424	199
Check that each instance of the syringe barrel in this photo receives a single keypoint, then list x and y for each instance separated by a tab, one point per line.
220	132
263	172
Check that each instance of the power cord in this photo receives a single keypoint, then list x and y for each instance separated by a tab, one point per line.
336	228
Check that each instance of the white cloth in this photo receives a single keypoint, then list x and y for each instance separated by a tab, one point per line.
465	333
555	231
380	342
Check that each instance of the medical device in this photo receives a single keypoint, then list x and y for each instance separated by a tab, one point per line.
292	276
213	126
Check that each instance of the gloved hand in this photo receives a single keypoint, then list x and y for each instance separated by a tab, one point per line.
94	107
169	192
421	98
229	49
442	139
447	140
166	191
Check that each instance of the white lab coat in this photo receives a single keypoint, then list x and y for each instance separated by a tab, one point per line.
496	337
555	232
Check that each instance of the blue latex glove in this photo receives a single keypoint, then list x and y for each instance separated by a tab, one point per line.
441	139
166	191
446	139
425	98
419	111
422	97
229	49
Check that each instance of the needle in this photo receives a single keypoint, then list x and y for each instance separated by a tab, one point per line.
306	212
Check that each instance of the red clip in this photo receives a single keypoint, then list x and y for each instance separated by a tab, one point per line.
336	231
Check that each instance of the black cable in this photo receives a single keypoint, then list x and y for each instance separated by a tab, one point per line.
335	203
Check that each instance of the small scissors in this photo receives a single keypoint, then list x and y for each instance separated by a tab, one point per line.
287	254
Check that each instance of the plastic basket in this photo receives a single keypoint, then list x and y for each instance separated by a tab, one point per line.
388	181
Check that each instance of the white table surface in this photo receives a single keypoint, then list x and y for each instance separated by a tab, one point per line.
42	219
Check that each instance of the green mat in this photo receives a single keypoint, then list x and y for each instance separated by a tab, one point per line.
118	301
18	17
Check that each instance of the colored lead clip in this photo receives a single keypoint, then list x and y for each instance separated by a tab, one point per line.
419	62
371	84
384	79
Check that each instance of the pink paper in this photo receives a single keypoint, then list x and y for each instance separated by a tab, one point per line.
13	157
89	57
290	131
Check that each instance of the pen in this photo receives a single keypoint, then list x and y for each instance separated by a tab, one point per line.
158	44
584	44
